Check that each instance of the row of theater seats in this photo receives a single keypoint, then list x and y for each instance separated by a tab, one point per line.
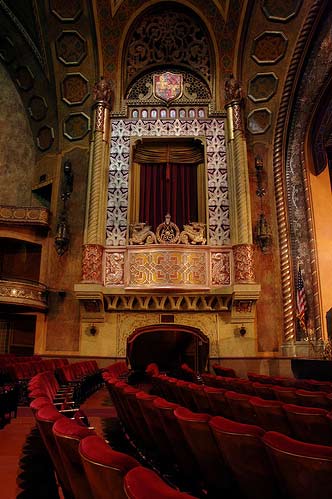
76	381
227	458
316	397
85	464
306	423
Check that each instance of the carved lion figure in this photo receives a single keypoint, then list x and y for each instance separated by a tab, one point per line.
141	233
193	233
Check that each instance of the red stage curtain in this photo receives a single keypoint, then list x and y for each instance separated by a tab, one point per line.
168	188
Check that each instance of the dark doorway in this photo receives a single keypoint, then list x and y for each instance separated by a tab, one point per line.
169	346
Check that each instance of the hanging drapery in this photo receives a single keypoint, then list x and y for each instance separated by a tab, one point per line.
168	180
168	188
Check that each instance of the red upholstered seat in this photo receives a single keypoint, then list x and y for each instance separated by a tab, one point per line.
313	399
214	471
242	410
264	390
271	415
142	483
38	403
141	432
285	394
200	397
67	435
183	454
105	468
309	424
218	402
304	470
46	416
243	450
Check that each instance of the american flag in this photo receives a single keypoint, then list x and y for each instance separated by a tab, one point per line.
301	302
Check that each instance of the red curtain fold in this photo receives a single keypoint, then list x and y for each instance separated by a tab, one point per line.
168	188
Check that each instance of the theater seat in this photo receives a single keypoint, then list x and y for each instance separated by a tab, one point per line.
46	416
304	470
242	448
215	472
142	483
68	434
271	415
104	468
309	424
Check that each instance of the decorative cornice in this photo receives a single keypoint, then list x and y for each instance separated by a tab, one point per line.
24	215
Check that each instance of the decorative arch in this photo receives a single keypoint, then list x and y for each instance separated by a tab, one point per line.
190	57
292	190
180	344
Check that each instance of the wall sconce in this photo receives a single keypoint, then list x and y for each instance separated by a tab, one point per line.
263	233
242	330
62	232
262	236
93	330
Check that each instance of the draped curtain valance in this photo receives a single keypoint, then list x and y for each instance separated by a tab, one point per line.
178	152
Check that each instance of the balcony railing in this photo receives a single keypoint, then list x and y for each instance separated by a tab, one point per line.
20	292
22	215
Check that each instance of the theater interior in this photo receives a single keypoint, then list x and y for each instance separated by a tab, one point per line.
165	249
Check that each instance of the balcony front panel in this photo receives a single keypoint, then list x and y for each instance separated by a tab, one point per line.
166	267
32	295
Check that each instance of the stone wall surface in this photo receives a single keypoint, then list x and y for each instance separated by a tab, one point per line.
17	150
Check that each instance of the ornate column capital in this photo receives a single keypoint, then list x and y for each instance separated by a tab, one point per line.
243	263
102	94
92	263
233	99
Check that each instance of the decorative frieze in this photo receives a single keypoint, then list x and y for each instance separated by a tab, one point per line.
24	215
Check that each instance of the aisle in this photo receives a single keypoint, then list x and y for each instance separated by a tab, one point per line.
20	450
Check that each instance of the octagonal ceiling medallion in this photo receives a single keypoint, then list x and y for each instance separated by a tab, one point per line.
269	47
37	107
76	126
71	47
24	78
281	11
45	137
75	89
66	10
259	121
262	87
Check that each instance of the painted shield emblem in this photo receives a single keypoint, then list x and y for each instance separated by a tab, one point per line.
167	86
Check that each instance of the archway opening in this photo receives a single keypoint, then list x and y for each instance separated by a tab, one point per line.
169	346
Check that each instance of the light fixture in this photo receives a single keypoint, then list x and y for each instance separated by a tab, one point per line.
93	330
242	330
263	235
62	232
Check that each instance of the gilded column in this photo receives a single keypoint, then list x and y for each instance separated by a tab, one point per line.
95	220
240	210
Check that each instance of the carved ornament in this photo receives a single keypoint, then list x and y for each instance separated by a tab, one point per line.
92	263
167	233
244	263
114	268
24	215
